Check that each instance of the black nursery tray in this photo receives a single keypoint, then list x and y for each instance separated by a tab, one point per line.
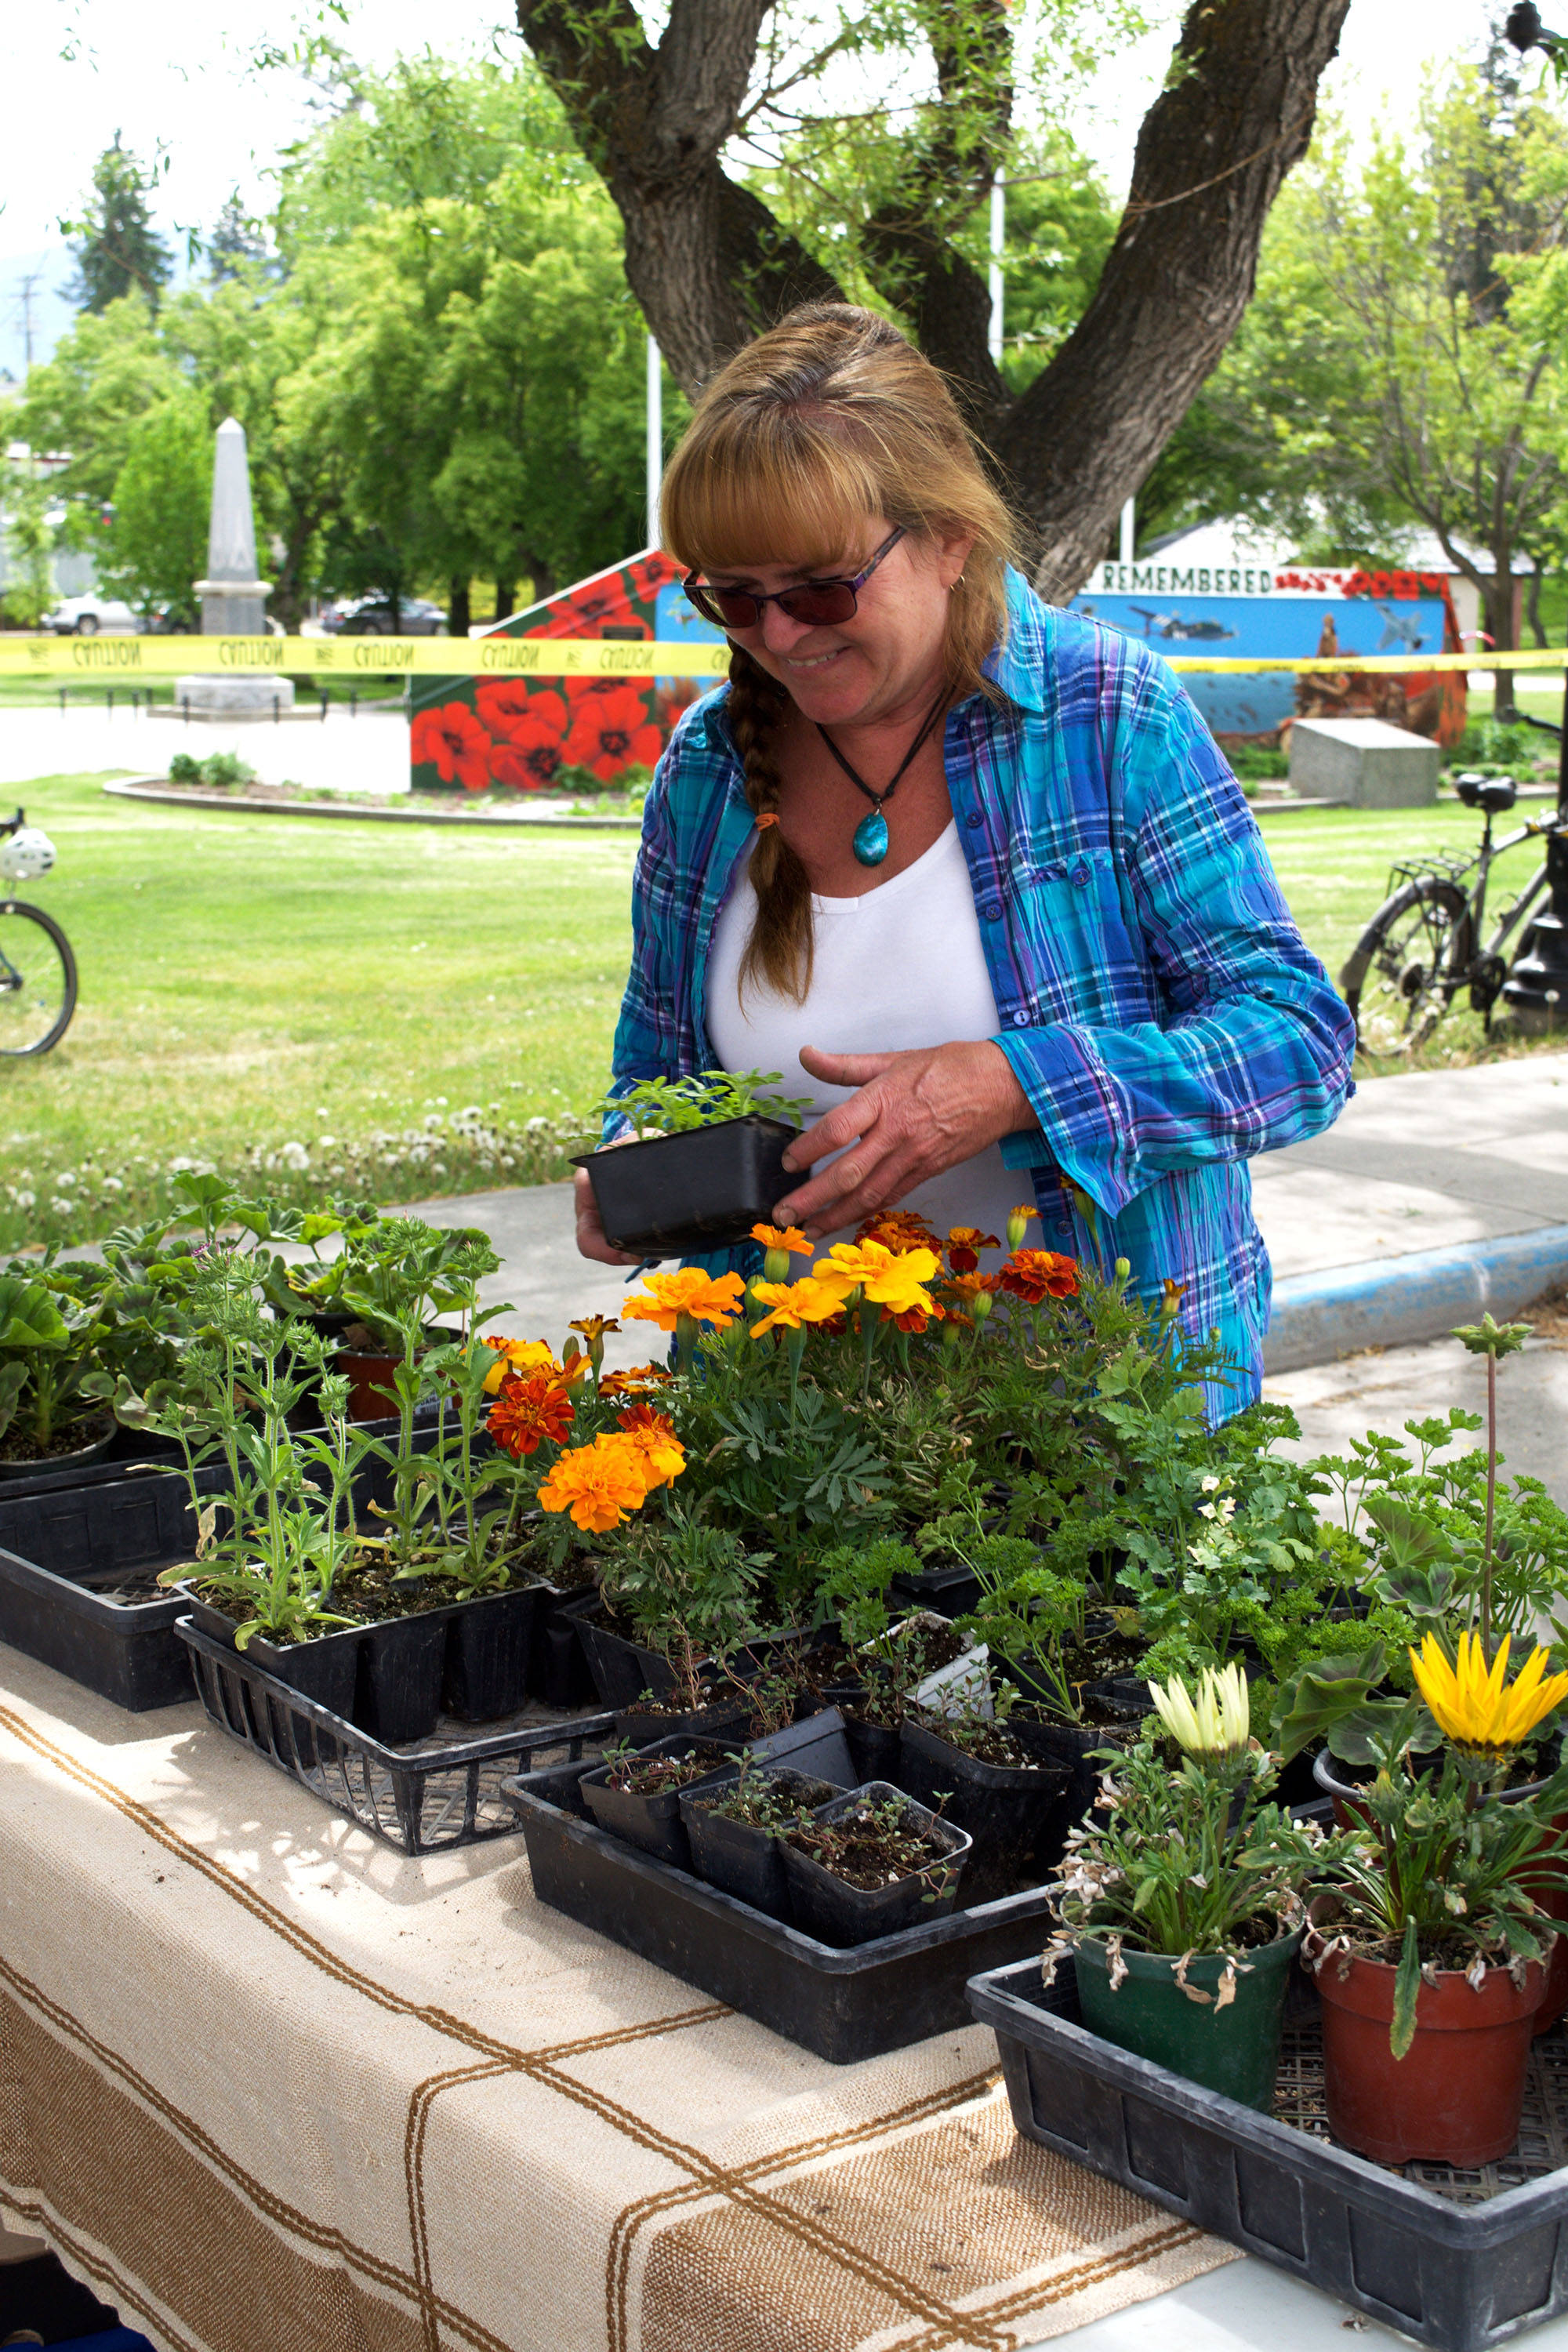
702	1189
843	2005
1461	2260
436	1793
63	1552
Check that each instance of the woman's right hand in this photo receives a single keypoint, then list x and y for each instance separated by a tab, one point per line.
591	1240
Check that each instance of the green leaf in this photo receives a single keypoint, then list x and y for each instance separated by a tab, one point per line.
1407	1990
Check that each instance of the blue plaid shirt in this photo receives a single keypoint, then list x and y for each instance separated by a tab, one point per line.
1156	999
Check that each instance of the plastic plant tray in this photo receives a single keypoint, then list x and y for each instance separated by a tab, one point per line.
435	1793
843	2004
1458	2259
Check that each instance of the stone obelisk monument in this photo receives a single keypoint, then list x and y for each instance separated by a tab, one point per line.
234	601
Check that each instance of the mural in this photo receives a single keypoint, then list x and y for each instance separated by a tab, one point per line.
530	735
1297	615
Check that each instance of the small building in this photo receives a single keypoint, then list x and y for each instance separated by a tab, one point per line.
1221	591
564	734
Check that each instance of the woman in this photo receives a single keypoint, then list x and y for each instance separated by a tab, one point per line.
974	866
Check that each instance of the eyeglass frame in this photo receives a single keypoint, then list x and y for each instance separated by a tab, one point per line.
694	589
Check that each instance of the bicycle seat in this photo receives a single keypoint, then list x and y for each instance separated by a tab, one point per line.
1493	794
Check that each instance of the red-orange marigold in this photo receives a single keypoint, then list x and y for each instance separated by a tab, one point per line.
1037	1274
531	1407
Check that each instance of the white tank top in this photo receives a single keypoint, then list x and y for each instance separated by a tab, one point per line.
900	967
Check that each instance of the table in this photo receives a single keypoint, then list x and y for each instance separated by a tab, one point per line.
271	2087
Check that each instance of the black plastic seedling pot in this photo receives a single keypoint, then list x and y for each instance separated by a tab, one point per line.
651	1822
831	1909
622	1669
1461	2276
745	1861
1016	1814
489	1643
843	2005
678	1194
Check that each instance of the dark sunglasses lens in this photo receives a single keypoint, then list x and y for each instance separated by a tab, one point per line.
826	601
732	608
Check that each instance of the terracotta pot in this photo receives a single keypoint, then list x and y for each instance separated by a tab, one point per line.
1455	2097
371	1395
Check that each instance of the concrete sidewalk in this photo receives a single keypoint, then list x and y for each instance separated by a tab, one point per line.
342	753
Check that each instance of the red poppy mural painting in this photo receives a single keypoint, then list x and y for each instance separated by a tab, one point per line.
530	735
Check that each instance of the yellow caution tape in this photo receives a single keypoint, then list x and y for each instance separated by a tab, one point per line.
106	659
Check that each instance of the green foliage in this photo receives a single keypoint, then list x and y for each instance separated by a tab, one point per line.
25	500
118	251
219	769
156	545
678	1105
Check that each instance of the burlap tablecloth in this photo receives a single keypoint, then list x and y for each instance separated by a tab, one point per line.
272	2087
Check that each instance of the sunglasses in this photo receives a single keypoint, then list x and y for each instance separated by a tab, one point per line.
813	602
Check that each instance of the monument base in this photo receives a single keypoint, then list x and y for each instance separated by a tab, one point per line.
206	697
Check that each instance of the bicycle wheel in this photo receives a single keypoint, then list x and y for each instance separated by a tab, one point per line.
38	980
1408	965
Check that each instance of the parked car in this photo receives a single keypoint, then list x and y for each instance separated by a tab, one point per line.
93	617
373	616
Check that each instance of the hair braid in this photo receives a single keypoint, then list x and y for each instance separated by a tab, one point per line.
779	951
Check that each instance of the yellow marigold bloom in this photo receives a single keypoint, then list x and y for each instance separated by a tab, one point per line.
885	1278
795	1304
1019	1219
525	1356
598	1484
1479	1710
688	1292
788	1238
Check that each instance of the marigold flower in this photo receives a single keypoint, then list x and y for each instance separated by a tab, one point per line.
531	1406
1035	1273
653	1434
635	1382
1171	1296
963	1242
688	1292
896	1229
599	1484
913	1319
1477	1710
780	1243
793	1304
882	1278
1019	1219
518	1356
975	1293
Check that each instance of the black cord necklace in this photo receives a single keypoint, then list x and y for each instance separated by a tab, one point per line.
870	843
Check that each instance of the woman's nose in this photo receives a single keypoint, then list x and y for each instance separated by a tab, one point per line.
780	633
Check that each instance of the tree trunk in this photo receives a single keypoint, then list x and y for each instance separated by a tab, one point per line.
506	599
458	620
709	265
1497	590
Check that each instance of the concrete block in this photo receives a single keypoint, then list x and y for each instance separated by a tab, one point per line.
1364	761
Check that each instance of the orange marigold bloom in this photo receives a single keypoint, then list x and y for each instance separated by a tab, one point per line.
793	1305
518	1356
633	1383
783	1237
653	1434
912	1318
1035	1273
598	1484
963	1242
688	1292
897	1229
531	1406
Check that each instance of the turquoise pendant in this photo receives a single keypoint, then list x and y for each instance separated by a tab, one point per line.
872	838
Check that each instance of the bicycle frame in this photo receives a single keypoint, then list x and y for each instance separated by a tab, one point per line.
1482	965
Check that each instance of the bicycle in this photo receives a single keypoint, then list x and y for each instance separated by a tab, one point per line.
38	970
1423	945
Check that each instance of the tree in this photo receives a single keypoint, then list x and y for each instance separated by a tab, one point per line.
25	499
118	251
710	262
1406	358
156	544
236	242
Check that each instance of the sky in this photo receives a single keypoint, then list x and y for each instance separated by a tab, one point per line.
179	81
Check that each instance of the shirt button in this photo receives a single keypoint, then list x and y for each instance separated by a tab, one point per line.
1080	878
1064	1224
974	820
1020	1019
992	911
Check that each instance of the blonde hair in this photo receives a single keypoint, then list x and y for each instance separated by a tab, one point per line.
828	418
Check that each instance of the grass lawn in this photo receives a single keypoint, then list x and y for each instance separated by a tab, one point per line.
250	984
320	1001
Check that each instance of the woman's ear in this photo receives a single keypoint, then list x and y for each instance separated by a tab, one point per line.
952	555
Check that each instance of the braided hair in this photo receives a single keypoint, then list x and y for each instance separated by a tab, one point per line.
779	951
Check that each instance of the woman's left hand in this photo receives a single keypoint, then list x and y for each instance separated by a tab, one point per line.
915	1115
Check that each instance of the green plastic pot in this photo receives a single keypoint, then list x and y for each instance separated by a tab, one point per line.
1234	2049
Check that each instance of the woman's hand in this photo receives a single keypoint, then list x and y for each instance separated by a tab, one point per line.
591	1241
915	1114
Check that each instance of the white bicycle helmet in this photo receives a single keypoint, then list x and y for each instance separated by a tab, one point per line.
27	854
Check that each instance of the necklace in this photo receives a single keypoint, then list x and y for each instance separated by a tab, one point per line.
870	842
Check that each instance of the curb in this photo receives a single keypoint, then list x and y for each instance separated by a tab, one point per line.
136	788
1391	1302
